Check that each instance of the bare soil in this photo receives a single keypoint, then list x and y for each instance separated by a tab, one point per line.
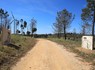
87	51
47	55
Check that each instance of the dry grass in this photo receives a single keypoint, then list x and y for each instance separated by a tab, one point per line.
9	55
75	46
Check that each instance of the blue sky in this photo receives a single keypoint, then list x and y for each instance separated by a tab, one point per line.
44	11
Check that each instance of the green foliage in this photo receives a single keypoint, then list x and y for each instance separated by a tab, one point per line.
33	26
88	16
25	24
4	17
63	21
22	26
87	13
1	11
64	17
21	20
17	31
28	32
34	30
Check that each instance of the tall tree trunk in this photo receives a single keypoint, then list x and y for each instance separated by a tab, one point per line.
1	26
32	33
22	31
1	31
65	32
83	30
93	29
58	35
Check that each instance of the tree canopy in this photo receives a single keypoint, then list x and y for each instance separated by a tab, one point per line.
63	21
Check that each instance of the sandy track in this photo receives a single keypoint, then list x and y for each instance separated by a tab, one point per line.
47	55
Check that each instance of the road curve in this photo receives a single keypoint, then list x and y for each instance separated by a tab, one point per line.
47	55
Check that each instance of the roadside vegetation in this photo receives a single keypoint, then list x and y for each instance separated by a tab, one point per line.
72	41
10	54
75	47
20	43
12	47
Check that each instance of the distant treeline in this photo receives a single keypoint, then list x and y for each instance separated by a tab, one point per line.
70	36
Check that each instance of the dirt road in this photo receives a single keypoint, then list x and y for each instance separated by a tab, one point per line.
47	55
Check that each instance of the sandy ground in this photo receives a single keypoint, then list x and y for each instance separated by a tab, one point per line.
47	55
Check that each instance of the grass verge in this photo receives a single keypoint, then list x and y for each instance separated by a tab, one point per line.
75	46
10	55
